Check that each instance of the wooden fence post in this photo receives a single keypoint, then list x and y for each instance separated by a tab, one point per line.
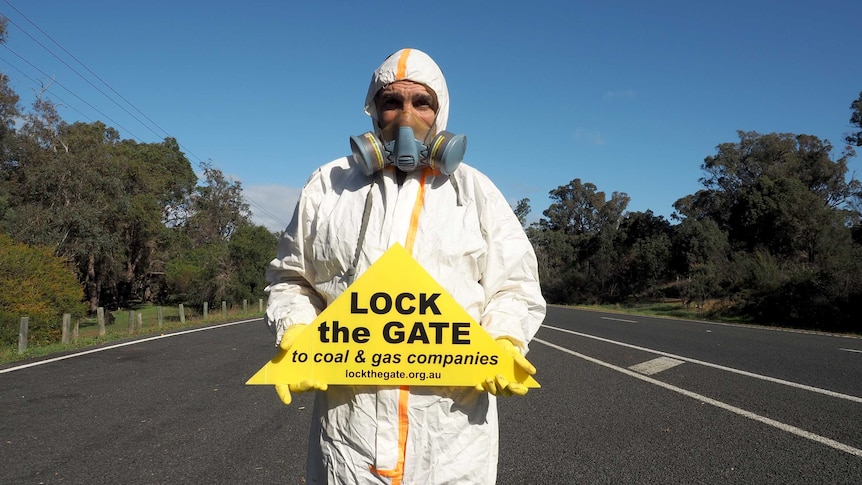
100	312
131	322
22	334
182	314
67	321
206	309
140	321
75	329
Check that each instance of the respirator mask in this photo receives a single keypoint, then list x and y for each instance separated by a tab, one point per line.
405	152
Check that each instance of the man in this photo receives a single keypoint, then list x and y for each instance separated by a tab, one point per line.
462	231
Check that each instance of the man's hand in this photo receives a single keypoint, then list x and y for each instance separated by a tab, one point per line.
510	349
284	390
499	385
290	334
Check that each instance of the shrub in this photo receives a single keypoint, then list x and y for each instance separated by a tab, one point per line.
36	284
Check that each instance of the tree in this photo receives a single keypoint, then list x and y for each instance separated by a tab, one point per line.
9	113
250	249
643	247
43	125
522	210
218	254
118	210
786	207
556	256
217	209
231	271
157	179
578	208
855	139
99	201
202	274
574	243
67	196
701	256
772	191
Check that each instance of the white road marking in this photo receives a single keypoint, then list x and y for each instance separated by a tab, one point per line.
654	366
739	411
133	342
619	320
851	350
717	366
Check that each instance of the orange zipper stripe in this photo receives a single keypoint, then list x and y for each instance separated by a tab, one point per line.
417	211
397	474
401	73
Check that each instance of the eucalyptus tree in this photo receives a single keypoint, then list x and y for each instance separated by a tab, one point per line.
855	138
157	181
786	206
574	242
217	208
581	209
775	192
203	269
250	249
9	113
522	210
68	197
643	248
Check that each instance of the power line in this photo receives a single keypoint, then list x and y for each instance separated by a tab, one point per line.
200	161
87	68
72	93
13	66
90	82
73	69
250	200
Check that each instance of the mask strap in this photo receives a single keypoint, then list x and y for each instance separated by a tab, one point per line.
366	214
434	129
457	192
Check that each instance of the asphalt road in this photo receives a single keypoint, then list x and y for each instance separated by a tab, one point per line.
623	400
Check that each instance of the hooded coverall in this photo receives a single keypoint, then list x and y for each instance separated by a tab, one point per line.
463	232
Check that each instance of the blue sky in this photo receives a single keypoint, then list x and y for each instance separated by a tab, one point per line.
628	95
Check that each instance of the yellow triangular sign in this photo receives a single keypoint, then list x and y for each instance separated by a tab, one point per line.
394	326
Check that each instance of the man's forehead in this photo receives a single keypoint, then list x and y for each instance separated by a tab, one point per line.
406	87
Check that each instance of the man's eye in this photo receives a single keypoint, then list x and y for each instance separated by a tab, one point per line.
391	104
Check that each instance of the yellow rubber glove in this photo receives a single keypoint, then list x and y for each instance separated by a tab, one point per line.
290	334
499	385
284	390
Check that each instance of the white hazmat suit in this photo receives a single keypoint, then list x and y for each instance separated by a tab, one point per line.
463	232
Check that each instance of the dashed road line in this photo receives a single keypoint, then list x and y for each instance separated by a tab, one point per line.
619	320
717	366
654	366
739	411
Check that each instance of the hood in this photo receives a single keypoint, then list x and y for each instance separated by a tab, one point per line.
410	65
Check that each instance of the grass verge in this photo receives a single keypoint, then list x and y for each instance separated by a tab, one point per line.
120	329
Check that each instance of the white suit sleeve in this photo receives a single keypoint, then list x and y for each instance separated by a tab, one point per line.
515	307
292	297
